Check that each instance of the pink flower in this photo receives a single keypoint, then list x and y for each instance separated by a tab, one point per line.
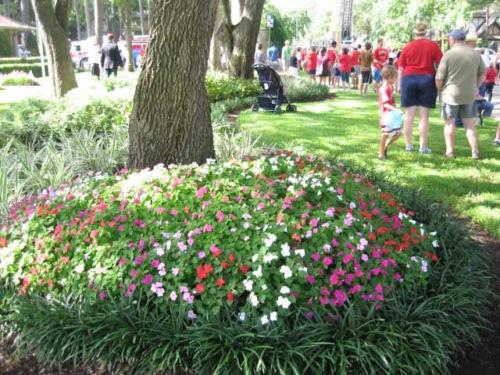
339	297
155	263
330	212
327	261
323	300
364	258
173	296
138	260
130	290
122	261
397	277
261	206
379	288
175	271
134	273
335	243
102	295
355	289
215	250
174	212
316	257
200	193
334	279
146	280
208	228
340	191
314	222
347	259
220	216
311	279
182	246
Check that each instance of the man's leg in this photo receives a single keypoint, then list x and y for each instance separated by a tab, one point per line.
408	127
424	127
471	132
108	72
449	135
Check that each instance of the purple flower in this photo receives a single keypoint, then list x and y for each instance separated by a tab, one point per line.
191	315
201	255
146	280
311	279
316	257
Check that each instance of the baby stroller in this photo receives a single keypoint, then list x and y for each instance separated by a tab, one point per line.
273	96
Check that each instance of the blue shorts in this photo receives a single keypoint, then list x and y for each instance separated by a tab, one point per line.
345	76
418	90
377	75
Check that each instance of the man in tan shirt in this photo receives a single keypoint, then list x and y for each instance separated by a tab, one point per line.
458	77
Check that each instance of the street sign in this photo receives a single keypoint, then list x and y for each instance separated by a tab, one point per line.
270	21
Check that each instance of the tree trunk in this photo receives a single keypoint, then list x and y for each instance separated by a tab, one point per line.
239	38
128	32
170	120
76	5
215	45
88	19
99	21
6	8
149	16
25	18
141	18
53	23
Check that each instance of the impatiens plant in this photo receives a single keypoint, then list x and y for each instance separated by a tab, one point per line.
262	237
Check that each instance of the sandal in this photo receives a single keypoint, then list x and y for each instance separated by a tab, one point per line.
475	157
451	155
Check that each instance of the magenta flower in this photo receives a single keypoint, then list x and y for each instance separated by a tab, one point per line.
134	273
146	280
316	257
314	222
311	279
102	295
220	216
339	297
138	260
355	289
208	228
335	243
327	261
155	263
379	288
130	290
347	259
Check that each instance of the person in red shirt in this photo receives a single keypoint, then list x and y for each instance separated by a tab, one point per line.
391	130
331	54
489	81
380	57
355	60
345	67
417	69
311	63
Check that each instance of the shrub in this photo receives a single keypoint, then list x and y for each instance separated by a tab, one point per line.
300	90
19	79
222	88
20	60
33	68
283	264
5	45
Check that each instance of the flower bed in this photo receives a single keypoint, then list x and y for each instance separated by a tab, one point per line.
262	236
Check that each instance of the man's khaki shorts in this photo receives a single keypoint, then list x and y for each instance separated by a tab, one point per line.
465	111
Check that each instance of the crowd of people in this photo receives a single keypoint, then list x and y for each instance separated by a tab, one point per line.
462	78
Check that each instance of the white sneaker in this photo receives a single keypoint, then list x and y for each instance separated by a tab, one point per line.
409	148
425	150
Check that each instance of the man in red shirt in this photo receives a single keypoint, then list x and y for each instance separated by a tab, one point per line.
489	81
331	55
380	57
311	63
355	55
345	67
417	69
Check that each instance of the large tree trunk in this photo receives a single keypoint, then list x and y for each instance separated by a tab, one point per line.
6	8
76	5
54	23
88	19
99	21
215	45
25	18
170	120
141	17
128	32
238	35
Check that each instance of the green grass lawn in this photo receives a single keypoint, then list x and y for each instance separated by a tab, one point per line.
347	127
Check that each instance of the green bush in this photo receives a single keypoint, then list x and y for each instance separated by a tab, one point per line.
19	60
222	88
35	69
19	79
300	90
5	45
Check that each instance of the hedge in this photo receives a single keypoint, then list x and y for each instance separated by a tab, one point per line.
36	69
19	60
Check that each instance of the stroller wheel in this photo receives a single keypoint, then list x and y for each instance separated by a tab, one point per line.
255	108
291	108
277	109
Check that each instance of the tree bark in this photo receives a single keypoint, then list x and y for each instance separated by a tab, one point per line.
215	45
149	16
141	18
6	8
88	19
239	37
76	6
170	120
25	18
53	22
128	32
99	21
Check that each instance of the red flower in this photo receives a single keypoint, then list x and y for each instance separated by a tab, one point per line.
203	270
382	230
200	288
220	282
230	296
244	268
371	236
296	237
224	264
431	256
3	242
232	258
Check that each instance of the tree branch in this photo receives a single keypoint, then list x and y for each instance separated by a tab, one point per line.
63	8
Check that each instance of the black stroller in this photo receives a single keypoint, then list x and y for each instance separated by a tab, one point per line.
273	96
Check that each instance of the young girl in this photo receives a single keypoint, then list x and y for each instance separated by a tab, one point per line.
391	119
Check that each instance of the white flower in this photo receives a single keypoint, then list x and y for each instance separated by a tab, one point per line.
286	271
79	268
283	302
270	240
255	258
160	251
285	250
273	316
300	252
264	287
268	258
264	320
242	316
435	243
254	301
258	273
303	269
248	284
433	233
285	290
